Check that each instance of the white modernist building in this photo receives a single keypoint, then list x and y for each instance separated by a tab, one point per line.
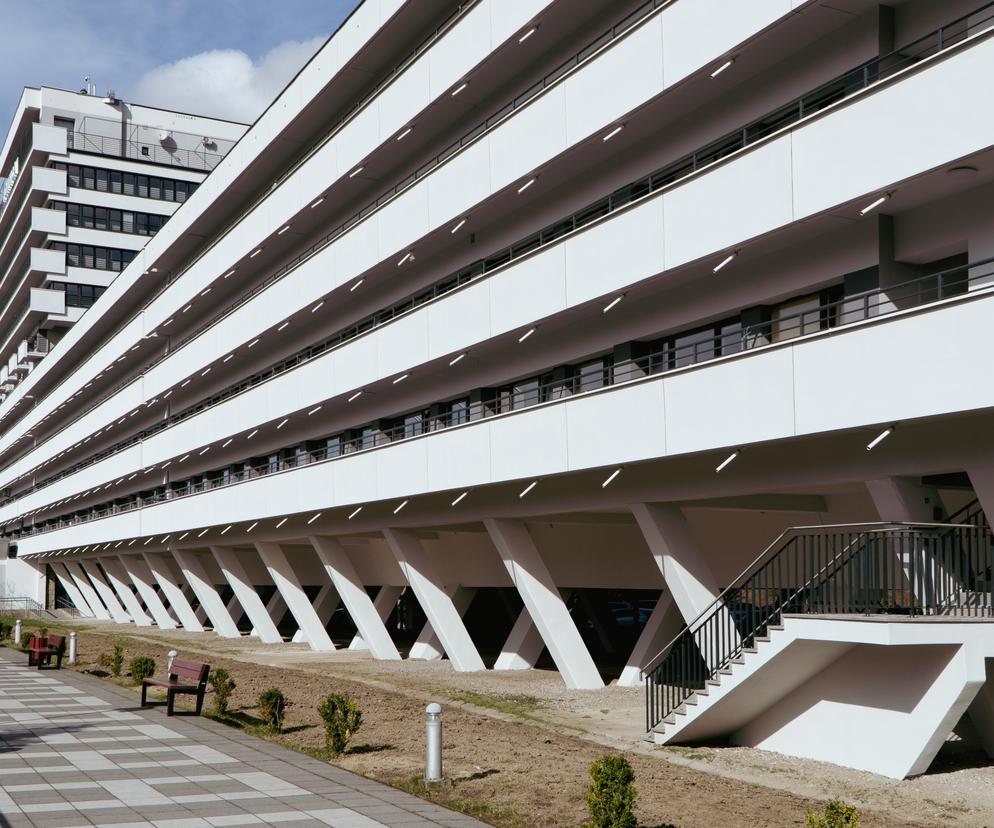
642	340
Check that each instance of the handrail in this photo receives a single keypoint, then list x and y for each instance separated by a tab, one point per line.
905	568
655	362
618	199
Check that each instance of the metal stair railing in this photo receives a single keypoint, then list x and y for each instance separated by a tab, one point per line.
857	569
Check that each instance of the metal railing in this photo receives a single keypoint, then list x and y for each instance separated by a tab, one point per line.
141	151
850	310
66	606
862	569
10	604
805	105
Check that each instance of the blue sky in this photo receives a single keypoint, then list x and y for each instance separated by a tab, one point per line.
223	57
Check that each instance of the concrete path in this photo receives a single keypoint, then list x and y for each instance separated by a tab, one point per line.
77	751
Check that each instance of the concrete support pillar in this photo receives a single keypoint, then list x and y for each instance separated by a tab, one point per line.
386	599
191	597
523	646
120	582
201	583
687	574
905	500
662	626
428	646
73	591
141	576
545	605
117	612
426	580
234	572
293	593
325	604
981	710
89	593
367	615
170	585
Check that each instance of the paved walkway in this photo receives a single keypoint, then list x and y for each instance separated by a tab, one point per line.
77	751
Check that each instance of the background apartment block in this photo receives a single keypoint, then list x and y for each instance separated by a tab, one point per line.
645	341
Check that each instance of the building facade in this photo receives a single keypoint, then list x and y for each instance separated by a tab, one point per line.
643	340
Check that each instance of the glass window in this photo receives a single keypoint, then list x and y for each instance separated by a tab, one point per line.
797	317
458	412
142	186
88	178
74	176
103	181
128	184
115	181
525	394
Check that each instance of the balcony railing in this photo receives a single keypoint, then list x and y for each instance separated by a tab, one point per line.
523	394
825	95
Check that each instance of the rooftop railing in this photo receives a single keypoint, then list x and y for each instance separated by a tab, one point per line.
141	151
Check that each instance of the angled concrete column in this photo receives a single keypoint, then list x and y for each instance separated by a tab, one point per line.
73	591
325	604
905	500
688	576
89	593
662	627
171	587
234	572
119	581
234	607
191	597
426	580
276	609
523	645
141	576
545	605
981	709
293	593
117	612
386	599
428	646
200	582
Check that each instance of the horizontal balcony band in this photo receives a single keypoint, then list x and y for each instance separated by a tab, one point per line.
777	389
629	26
622	202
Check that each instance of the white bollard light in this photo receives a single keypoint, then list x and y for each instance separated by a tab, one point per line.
433	743
17	633
169	661
72	648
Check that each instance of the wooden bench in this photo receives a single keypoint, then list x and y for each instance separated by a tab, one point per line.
181	669
42	649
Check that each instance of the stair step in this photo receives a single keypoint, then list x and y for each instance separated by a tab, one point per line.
713	682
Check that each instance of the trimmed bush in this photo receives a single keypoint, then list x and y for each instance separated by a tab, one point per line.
272	706
142	667
222	684
117	660
5	630
342	718
612	793
835	814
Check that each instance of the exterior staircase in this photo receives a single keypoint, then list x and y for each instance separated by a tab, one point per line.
839	629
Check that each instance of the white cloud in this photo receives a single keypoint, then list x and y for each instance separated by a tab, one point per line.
224	83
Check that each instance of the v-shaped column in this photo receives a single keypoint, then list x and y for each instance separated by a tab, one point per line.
426	582
73	591
287	582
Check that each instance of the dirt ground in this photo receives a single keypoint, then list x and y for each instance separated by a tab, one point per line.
517	745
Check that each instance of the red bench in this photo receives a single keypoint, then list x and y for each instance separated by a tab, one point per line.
42	649
181	668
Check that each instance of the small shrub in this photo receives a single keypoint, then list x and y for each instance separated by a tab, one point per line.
104	660
43	632
612	793
4	630
272	706
117	660
222	684
142	667
835	814
342	718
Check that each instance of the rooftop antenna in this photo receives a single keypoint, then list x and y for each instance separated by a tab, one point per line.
89	88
